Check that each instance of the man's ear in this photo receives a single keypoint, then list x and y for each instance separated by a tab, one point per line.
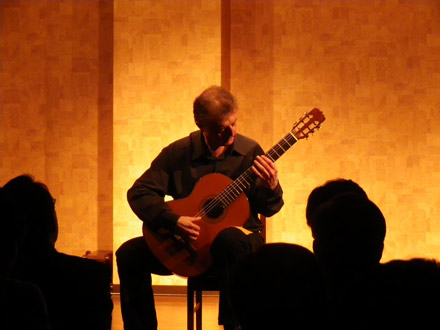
319	247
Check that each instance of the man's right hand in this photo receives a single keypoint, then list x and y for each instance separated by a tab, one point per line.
186	227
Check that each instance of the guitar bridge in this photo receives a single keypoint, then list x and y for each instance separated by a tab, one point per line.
185	244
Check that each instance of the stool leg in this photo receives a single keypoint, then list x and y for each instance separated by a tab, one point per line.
190	309
199	310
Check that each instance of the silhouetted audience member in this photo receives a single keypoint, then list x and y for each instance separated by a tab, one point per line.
348	232
22	305
280	286
402	294
76	290
405	295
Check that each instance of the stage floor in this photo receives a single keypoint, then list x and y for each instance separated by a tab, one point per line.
171	312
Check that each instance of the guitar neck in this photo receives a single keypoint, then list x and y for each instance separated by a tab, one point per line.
281	147
244	181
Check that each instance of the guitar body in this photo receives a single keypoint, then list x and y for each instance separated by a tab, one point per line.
193	258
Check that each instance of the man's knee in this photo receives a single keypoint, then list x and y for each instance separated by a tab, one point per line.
130	252
230	240
229	235
123	251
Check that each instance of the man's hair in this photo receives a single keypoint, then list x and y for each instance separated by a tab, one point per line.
213	103
348	230
37	203
329	190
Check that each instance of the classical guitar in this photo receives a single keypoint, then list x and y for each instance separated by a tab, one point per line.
221	203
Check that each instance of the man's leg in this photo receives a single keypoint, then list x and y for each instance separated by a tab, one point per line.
228	248
135	263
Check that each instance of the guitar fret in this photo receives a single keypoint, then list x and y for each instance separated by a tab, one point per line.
286	141
237	190
279	145
228	194
223	203
229	199
248	183
233	192
276	153
293	135
243	186
268	155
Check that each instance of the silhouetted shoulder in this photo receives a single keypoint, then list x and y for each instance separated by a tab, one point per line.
279	286
22	306
88	283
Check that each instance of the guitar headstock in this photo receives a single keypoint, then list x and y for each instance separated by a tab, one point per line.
308	124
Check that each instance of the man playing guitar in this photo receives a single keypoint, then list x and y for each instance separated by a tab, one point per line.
215	148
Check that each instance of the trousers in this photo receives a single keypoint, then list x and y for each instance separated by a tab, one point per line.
136	262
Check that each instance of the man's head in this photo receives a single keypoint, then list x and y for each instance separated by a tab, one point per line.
215	113
38	206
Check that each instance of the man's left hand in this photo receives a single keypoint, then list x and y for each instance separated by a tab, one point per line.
266	170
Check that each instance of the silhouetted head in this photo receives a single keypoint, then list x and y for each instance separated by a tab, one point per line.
327	191
348	231
38	205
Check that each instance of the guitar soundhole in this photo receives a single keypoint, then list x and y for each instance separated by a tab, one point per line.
213	211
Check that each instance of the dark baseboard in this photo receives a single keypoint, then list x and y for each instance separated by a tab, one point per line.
167	290
172	290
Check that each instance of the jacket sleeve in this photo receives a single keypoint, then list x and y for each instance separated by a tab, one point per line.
146	196
267	201
264	200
